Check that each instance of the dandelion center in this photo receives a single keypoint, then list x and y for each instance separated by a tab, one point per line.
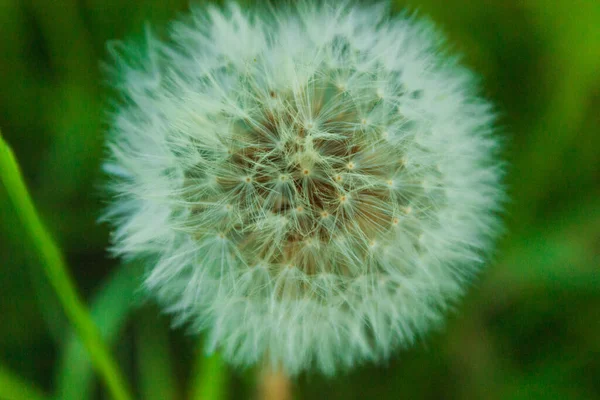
308	177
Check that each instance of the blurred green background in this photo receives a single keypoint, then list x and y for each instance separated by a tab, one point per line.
529	328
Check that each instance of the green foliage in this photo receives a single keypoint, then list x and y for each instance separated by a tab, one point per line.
210	382
156	374
57	273
13	387
109	310
528	329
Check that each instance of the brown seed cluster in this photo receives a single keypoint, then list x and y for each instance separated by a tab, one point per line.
309	178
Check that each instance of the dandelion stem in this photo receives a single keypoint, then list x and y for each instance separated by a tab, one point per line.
274	384
58	275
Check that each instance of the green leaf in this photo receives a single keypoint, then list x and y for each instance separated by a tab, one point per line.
13	387
153	356
53	265
47	302
109	310
210	378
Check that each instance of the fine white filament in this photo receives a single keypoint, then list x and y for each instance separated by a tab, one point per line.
313	185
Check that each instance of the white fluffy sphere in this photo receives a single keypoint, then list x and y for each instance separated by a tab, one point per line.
311	185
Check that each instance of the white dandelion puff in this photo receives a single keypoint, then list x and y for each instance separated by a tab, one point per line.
313	185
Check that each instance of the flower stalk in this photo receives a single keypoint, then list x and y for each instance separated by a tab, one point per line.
274	384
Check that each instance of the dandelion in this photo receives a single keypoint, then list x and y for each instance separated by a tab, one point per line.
312	186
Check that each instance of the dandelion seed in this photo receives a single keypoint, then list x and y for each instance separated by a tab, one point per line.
313	187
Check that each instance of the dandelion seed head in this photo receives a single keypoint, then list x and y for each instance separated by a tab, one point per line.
313	185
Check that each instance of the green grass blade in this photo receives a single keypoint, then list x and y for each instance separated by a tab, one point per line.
13	387
55	269
49	306
156	380
110	309
210	378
